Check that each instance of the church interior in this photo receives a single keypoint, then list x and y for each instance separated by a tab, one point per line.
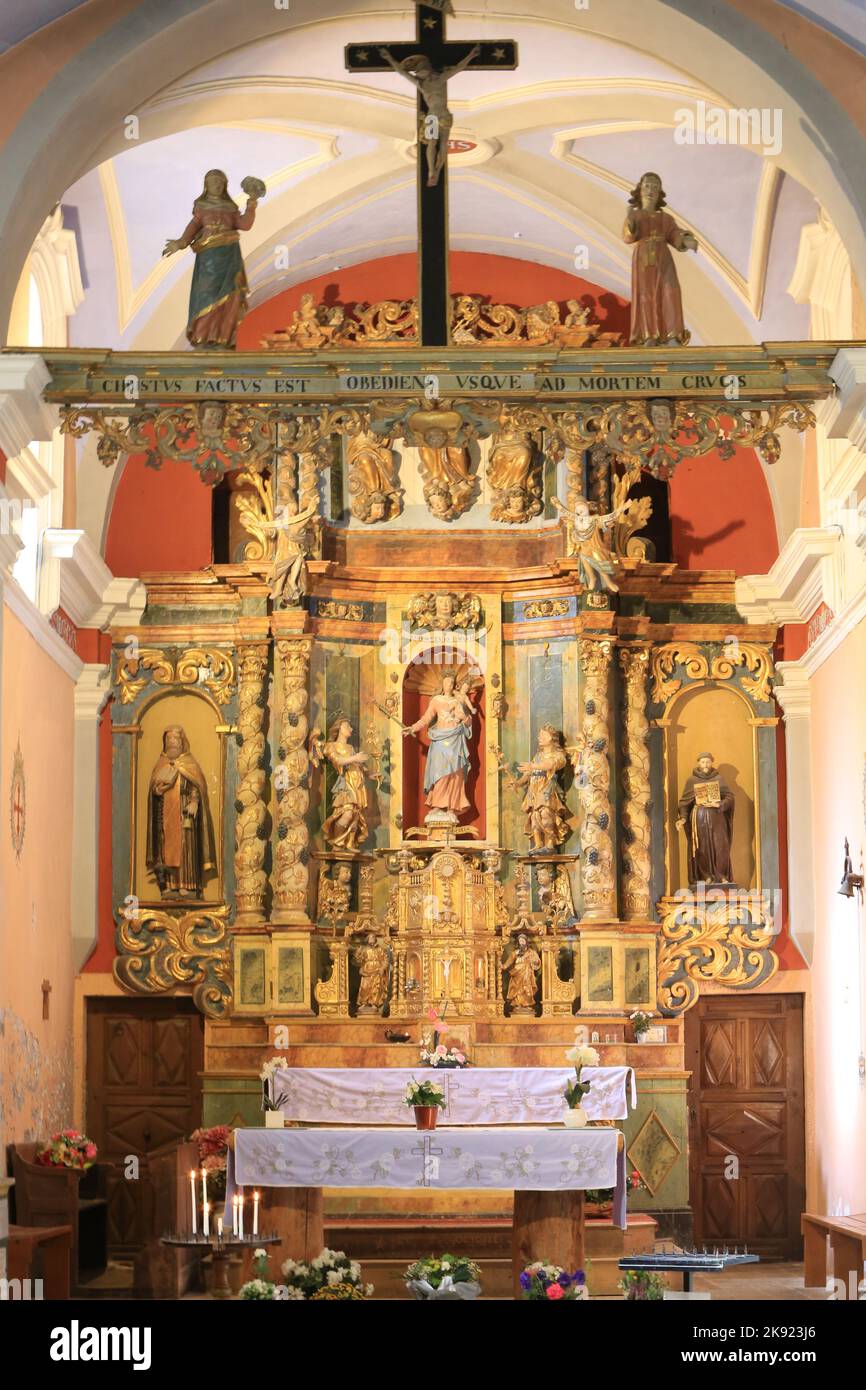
432	619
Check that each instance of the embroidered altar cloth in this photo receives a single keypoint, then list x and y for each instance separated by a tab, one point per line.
528	1159
474	1095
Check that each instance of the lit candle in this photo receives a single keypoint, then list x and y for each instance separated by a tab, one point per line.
241	1216
235	1215
192	1196
203	1187
220	1229
255	1213
205	1220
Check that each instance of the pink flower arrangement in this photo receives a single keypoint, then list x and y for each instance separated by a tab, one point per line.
213	1148
68	1148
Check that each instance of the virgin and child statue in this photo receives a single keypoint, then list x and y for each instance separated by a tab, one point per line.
448	721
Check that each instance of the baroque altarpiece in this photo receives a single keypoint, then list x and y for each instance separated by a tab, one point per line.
440	722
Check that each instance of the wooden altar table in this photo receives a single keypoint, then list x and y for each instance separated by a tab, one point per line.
547	1168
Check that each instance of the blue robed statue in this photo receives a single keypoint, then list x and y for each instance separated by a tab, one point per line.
448	720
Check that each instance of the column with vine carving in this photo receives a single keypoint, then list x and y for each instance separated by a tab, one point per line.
596	841
635	814
291	784
250	803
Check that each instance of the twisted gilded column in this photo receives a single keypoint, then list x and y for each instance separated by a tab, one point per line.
250	838
636	854
596	844
291	777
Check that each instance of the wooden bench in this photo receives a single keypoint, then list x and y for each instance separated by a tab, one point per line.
55	1246
847	1237
47	1196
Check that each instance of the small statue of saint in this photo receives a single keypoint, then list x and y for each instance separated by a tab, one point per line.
448	720
448	483
294	543
523	964
656	303
335	893
373	960
547	821
372	486
435	131
514	476
555	896
180	841
346	826
218	297
706	814
596	563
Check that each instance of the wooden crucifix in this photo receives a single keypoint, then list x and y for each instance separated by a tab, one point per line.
429	62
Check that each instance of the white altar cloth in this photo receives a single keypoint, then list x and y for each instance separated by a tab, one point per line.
474	1095
529	1159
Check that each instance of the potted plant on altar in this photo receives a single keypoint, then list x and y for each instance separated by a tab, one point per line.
641	1023
68	1148
331	1275
541	1282
426	1099
272	1104
640	1284
582	1056
446	1277
261	1287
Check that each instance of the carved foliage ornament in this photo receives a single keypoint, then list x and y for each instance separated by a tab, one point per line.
160	951
716	941
756	661
444	612
197	666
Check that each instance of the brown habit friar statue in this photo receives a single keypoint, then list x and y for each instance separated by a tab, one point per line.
180	842
706	813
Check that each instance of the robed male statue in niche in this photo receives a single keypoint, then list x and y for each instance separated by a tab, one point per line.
180	841
706	813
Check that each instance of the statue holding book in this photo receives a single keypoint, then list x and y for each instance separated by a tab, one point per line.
706	814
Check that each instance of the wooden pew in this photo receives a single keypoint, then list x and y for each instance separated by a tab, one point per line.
847	1240
54	1244
46	1196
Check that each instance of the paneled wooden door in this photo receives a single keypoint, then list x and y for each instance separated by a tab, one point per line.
746	1121
144	1059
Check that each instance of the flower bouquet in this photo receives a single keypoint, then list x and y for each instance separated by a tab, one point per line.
272	1104
582	1056
261	1287
426	1098
542	1282
447	1277
68	1148
331	1275
213	1149
639	1284
442	1056
640	1022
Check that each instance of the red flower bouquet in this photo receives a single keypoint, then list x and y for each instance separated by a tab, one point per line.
68	1148
213	1148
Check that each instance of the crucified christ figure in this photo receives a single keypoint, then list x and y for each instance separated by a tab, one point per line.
432	83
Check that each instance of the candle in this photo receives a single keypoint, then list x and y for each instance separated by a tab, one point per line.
205	1220
192	1196
241	1216
219	1229
255	1213
235	1215
203	1186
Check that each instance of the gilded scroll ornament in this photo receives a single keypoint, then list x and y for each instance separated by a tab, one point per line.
196	666
250	807
593	782
722	666
213	437
254	505
546	608
340	609
160	951
720	938
291	783
637	834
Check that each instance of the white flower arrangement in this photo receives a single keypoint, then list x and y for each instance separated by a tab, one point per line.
329	1269
424	1093
582	1056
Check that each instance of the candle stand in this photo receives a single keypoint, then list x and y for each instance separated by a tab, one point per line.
219	1248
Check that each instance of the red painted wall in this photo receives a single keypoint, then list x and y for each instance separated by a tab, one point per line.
722	516
505	279
160	520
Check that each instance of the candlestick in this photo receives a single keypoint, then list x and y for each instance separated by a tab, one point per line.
255	1213
205	1220
192	1195
240	1216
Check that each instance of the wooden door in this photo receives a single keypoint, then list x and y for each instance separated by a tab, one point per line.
746	1121
144	1059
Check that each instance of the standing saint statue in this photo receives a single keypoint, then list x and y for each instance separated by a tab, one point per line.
218	297
346	827
450	713
656	303
436	125
547	820
294	542
706	813
523	964
374	966
180	842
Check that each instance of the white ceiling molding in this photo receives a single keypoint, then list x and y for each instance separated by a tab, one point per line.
24	416
26	470
74	577
795	585
55	267
848	370
11	543
822	279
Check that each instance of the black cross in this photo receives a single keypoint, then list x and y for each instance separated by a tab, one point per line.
430	41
